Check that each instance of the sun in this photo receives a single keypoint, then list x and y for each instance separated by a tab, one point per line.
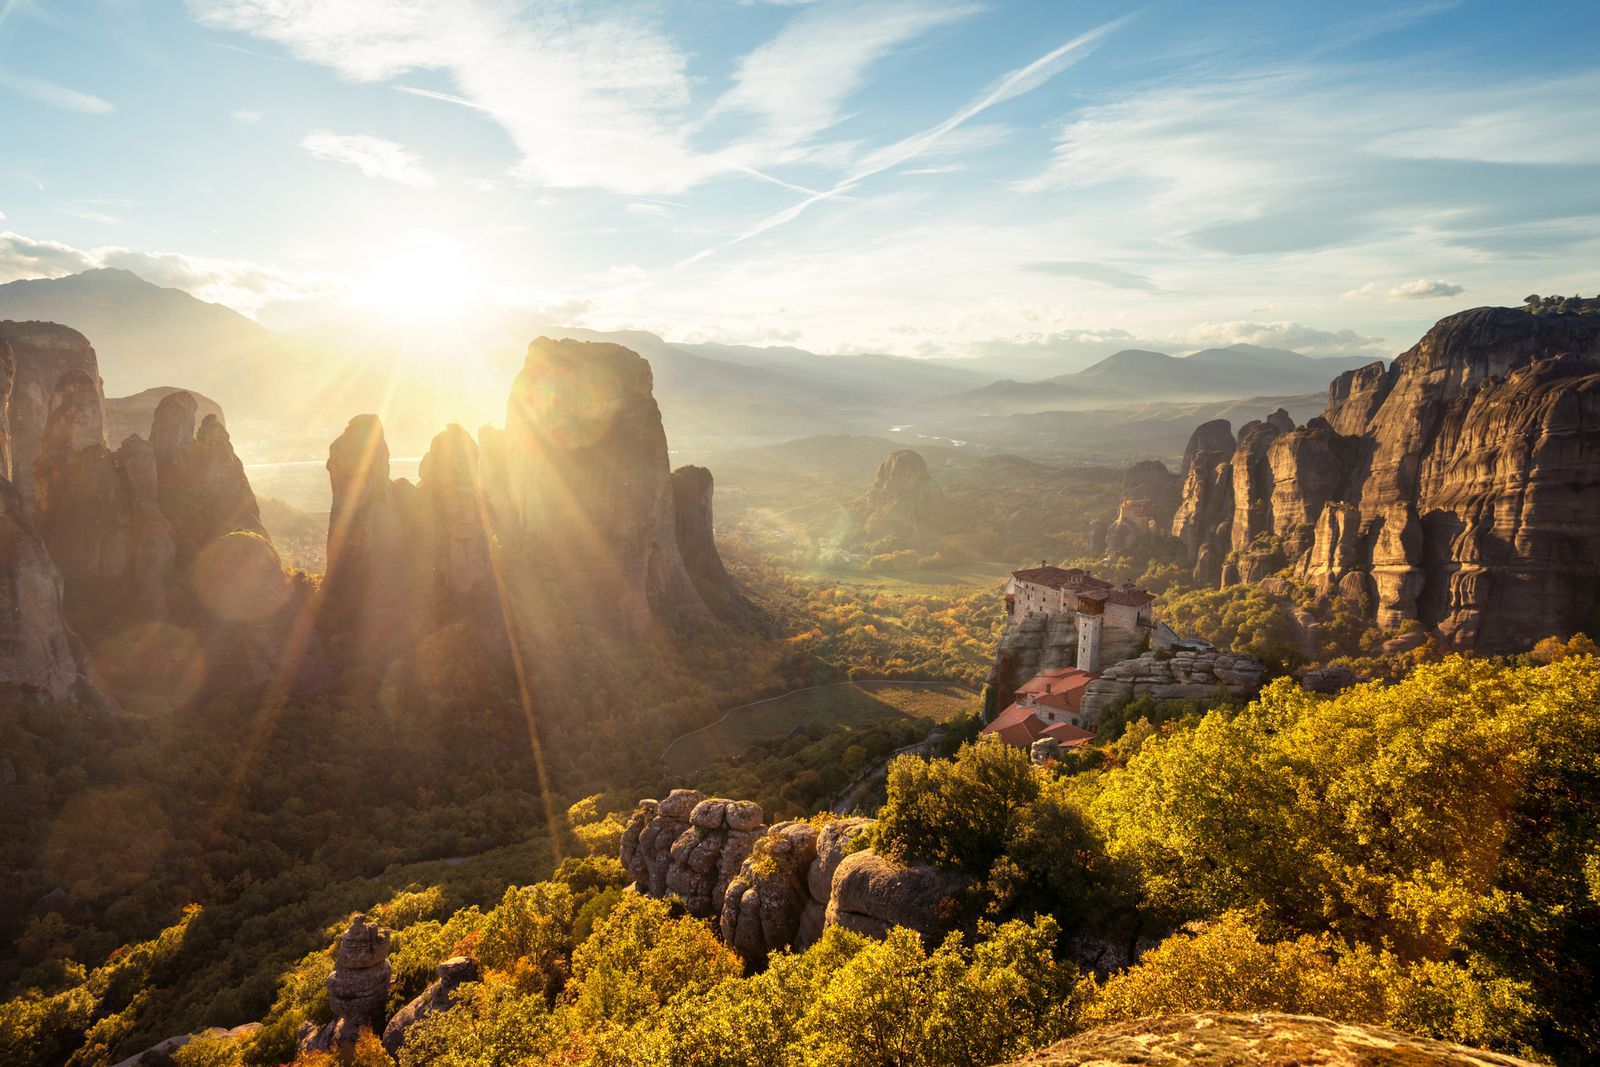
429	279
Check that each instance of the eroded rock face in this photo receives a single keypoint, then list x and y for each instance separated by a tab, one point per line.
647	840
449	976
692	492
765	901
1031	644
588	480
837	839
1204	519
871	893
43	353
453	536
1455	487
1184	675
703	859
1268	1039
904	505
357	988
37	649
366	587
201	484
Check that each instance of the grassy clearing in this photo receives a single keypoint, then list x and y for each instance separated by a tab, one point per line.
847	704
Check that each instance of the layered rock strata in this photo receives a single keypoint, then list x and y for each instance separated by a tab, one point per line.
1184	675
1454	487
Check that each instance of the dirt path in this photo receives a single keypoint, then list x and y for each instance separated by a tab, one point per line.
859	788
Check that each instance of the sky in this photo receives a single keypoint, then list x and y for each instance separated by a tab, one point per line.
923	177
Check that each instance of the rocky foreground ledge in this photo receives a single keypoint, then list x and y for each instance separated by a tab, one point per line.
1221	1039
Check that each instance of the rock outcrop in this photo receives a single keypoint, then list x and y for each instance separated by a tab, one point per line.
1455	487
1203	521
357	988
872	893
1183	675
1031	644
692	492
366	587
1266	1039
780	888
449	976
38	651
904	507
201	484
127	416
589	484
43	353
766	901
453	535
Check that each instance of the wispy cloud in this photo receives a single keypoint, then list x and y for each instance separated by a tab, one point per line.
1008	87
373	156
53	95
798	82
246	117
1104	273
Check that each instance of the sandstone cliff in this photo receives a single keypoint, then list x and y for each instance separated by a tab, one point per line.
589	486
43	353
1455	487
692	492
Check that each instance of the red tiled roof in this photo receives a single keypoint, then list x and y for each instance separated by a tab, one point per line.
1084	584
1060	578
1068	734
1056	682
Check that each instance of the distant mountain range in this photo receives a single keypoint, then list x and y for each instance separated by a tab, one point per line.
1135	376
287	394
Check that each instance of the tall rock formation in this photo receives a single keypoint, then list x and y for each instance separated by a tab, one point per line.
367	587
1203	521
202	486
692	492
453	524
905	506
1455	487
43	353
588	481
37	649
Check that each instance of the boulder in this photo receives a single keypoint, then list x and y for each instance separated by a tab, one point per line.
765	901
449	976
649	836
704	858
871	893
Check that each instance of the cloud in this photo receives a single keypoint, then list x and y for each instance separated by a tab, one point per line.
24	257
1308	156
587	99
53	95
248	118
1421	289
1298	337
1102	273
799	80
246	287
373	156
1008	87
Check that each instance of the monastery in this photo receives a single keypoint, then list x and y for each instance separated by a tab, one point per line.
1112	623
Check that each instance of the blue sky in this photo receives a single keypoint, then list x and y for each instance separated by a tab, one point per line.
929	177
